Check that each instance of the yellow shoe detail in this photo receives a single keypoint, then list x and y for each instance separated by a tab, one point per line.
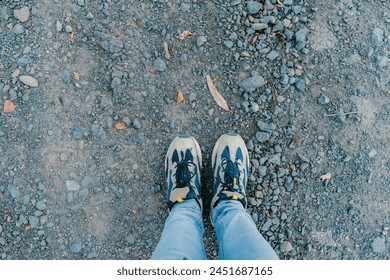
234	181
235	197
179	199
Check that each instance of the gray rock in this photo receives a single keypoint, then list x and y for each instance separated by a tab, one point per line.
262	136
29	81
192	97
130	239
81	3
323	100
1	229
33	221
159	65
286	246
252	83
89	16
275	158
288	2
72	185
263	126
58	26
84	194
18	29
68	29
77	133
378	245
300	85
137	124
184	7
98	131
66	77
13	191
253	7
272	55
86	181
41	205
324	238
201	40
22	14
183	57
76	247
228	44
377	36
140	138
262	170
301	35
259	26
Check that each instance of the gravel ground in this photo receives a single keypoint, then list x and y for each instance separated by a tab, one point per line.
89	99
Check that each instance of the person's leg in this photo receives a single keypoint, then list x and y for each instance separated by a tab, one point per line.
182	237
237	235
183	232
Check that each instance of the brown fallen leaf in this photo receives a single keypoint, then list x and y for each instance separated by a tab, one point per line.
326	176
267	213
254	40
9	106
217	96
185	34
180	97
120	126
280	4
71	37
27	228
76	76
166	51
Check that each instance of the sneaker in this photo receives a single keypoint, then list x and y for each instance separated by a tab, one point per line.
183	165
230	162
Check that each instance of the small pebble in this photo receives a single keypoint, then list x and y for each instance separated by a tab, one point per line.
68	29
201	40
72	185
18	29
159	65
323	100
76	247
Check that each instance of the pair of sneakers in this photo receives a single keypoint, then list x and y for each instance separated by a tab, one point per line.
230	163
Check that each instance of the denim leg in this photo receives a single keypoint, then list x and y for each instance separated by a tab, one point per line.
182	237
237	235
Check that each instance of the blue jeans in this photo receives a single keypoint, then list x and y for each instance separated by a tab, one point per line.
237	235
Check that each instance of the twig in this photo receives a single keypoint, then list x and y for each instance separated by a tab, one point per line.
344	114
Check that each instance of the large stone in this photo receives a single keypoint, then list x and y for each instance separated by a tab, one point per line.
253	7
22	14
29	81
252	83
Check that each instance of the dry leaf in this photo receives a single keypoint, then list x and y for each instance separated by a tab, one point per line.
217	96
326	176
72	37
254	40
280	4
9	107
120	126
180	97
27	228
268	214
166	51
185	34
76	76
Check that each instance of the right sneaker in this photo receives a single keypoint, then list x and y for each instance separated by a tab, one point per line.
230	162
183	163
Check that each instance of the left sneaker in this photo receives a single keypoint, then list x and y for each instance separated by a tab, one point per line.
183	164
